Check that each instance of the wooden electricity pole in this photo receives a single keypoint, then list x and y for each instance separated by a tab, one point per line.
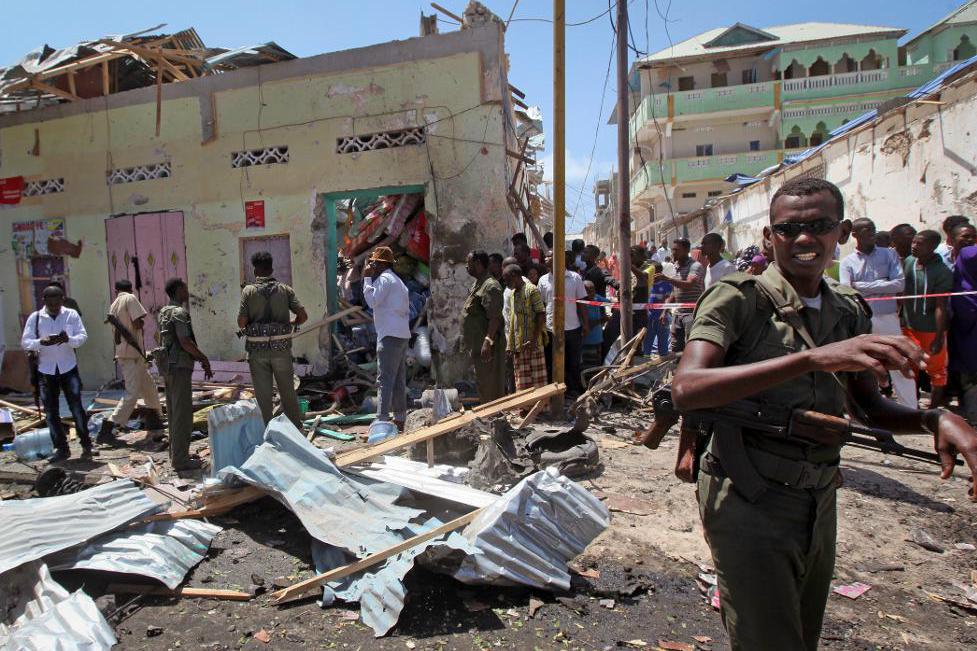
624	170
559	199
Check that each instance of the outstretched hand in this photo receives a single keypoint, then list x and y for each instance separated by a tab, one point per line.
954	436
876	353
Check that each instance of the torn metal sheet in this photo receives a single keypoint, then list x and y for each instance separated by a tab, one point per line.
356	514
43	525
233	432
41	615
418	477
529	534
164	551
380	591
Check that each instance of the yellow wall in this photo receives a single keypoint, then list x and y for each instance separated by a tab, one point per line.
308	112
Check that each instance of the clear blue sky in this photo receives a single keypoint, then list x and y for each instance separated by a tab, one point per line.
311	27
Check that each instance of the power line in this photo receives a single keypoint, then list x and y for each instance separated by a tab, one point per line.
600	118
549	20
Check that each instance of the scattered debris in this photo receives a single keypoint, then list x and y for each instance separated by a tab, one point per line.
674	646
534	605
607	603
625	504
263	636
925	540
852	591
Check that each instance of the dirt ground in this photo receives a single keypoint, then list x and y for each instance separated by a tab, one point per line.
634	587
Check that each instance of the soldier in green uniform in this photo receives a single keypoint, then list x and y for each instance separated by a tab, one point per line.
481	328
768	504
265	318
179	351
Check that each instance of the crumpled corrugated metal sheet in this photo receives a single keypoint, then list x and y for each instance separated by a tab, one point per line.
358	515
530	534
380	591
164	551
43	616
233	431
417	476
43	525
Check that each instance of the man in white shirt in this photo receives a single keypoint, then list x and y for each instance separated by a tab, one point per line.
877	272
53	333
713	246
387	296
131	315
575	323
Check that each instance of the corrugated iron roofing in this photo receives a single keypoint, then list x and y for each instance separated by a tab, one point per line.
529	535
355	514
164	551
37	527
46	617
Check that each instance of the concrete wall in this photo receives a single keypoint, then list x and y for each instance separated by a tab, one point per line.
726	137
938	46
917	164
703	71
453	83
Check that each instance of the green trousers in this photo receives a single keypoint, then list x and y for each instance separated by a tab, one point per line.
179	410
270	368
774	559
490	375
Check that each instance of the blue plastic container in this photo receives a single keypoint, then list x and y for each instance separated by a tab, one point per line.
31	446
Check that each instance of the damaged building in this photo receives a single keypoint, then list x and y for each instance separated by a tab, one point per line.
148	156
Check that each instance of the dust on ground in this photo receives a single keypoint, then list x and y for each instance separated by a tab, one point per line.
635	586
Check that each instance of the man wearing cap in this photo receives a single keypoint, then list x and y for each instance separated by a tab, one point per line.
386	295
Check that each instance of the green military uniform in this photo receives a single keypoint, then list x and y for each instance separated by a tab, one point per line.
174	322
485	303
267	304
775	555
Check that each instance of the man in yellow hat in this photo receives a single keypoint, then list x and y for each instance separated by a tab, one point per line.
387	296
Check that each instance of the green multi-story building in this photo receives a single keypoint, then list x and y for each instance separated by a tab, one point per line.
738	99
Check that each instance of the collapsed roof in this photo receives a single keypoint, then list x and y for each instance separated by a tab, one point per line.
114	64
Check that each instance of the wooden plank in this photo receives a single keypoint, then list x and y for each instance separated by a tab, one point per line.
515	401
448	13
199	593
51	90
533	413
304	587
21	409
72	88
219	505
105	78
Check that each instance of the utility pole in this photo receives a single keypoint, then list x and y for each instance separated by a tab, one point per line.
559	200
624	170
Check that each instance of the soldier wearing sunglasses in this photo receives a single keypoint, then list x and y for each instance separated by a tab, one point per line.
773	537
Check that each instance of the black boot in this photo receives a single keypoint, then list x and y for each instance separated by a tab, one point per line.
152	421
106	434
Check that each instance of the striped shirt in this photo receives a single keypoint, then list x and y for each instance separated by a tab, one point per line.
683	272
526	303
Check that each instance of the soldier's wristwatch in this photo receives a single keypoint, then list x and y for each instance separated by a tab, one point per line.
931	420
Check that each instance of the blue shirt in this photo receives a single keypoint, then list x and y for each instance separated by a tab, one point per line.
878	273
594	313
659	292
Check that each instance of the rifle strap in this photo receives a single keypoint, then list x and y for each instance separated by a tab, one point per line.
789	315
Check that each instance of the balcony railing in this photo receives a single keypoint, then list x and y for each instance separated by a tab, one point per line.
761	95
700	168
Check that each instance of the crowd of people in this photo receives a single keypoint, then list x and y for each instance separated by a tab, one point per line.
907	278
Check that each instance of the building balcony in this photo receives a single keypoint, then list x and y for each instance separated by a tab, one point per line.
764	96
649	182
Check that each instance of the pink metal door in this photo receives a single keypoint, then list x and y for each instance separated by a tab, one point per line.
147	249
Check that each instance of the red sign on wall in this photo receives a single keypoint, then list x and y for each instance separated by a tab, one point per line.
11	189
254	214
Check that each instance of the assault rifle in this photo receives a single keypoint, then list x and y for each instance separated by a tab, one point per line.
803	426
125	334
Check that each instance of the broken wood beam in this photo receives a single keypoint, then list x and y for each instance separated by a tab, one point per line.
515	401
303	587
24	410
533	413
162	591
447	13
218	506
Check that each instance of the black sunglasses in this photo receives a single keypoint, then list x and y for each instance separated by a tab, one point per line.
793	229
